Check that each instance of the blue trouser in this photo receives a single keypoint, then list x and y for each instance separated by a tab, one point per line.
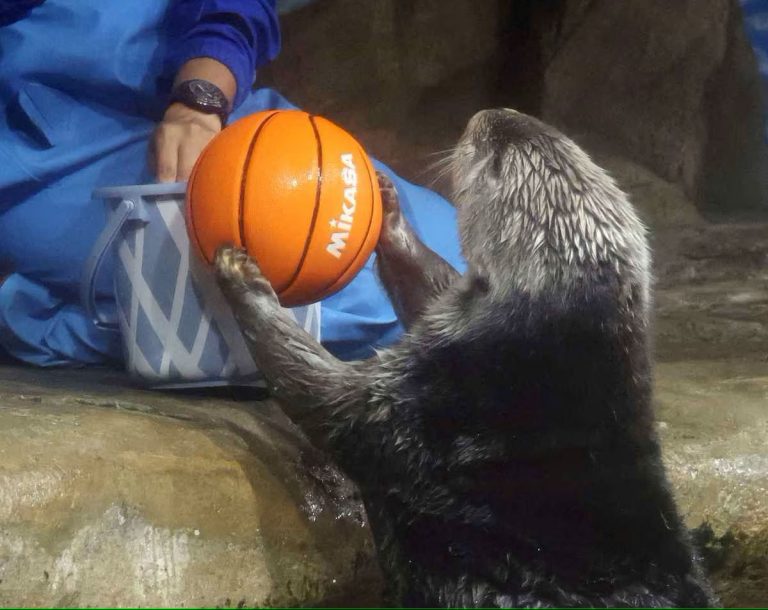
79	116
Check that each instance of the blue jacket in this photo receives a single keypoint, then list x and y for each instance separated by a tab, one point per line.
76	114
241	34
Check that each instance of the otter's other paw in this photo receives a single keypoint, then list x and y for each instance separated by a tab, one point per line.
393	226
236	270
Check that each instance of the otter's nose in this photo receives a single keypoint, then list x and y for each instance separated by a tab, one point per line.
492	120
490	117
501	127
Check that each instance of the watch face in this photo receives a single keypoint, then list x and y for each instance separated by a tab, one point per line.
205	94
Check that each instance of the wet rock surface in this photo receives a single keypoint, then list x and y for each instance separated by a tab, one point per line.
113	496
712	393
713	420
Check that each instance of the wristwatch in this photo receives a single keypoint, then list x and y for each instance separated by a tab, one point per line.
203	96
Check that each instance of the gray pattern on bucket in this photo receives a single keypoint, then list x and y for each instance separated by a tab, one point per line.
177	328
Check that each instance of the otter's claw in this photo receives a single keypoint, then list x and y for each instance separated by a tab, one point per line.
393	228
236	270
389	200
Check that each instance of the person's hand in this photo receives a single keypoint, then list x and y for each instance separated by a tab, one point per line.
178	141
184	132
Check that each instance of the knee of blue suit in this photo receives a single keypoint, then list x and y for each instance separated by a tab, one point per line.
48	223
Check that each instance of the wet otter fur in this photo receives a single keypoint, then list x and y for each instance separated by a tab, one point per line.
505	448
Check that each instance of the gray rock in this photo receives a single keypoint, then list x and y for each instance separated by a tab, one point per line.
380	56
660	203
671	85
111	496
712	294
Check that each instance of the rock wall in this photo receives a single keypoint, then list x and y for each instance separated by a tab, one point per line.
671	86
402	76
380	55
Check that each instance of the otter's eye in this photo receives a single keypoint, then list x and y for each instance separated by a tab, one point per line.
481	284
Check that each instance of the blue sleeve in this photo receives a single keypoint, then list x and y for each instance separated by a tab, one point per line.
241	34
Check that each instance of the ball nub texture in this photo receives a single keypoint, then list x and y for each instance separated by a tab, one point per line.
297	192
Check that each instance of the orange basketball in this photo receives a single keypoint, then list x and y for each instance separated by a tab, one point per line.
297	192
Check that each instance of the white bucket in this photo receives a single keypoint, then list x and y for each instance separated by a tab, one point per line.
177	329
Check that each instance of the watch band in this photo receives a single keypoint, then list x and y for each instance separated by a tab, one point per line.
202	95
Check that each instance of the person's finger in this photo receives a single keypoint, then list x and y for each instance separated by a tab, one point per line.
189	151
151	156
166	154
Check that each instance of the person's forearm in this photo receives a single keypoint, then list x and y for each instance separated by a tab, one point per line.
240	34
211	70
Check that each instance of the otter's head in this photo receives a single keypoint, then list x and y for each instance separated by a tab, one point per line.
534	209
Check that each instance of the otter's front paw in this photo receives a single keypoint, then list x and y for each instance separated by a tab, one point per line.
237	272
394	229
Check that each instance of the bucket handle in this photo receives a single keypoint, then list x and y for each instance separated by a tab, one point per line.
94	261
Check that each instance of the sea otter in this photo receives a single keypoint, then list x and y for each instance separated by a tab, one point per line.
505	448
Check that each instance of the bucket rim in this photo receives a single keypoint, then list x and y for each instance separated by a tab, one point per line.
140	190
